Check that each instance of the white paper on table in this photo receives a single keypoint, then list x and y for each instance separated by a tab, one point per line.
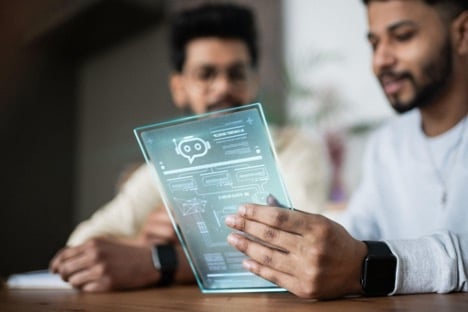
37	279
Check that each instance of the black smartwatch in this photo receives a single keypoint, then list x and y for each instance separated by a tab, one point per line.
378	270
165	261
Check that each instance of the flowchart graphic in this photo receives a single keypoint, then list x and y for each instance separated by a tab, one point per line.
191	206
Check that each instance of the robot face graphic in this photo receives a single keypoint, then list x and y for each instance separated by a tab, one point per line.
191	147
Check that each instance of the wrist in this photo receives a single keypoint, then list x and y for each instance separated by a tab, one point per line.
361	253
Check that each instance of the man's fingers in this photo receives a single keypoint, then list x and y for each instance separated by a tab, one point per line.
292	221
54	264
93	274
102	285
79	263
273	201
270	257
279	278
270	264
273	236
283	280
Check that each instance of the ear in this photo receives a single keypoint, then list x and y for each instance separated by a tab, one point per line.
176	85
460	29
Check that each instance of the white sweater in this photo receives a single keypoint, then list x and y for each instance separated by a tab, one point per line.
400	201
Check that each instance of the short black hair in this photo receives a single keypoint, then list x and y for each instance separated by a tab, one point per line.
223	20
448	8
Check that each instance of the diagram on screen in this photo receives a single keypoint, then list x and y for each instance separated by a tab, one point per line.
207	196
191	206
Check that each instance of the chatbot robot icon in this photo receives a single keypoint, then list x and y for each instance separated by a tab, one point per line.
191	147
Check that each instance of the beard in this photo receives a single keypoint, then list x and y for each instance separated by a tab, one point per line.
437	73
222	103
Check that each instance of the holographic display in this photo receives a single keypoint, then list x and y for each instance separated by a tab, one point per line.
206	166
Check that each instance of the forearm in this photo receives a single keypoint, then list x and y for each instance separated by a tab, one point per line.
124	215
110	221
436	263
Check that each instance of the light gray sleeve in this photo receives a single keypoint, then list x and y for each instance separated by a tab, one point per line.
435	263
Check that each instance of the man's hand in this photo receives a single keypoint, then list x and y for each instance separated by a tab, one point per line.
103	264
307	254
157	229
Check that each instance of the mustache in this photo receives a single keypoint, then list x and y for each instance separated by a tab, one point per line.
214	106
223	103
392	75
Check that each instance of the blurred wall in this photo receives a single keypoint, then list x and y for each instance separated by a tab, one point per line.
337	30
326	50
37	105
119	90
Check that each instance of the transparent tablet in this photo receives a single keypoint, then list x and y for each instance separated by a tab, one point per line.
205	167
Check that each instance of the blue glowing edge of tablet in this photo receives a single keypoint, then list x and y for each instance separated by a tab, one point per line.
206	166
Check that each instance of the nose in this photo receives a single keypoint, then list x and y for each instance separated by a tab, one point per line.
383	57
222	84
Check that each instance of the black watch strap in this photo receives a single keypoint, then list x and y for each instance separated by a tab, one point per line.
165	261
378	270
377	248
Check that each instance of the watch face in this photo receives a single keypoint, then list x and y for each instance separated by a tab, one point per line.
379	275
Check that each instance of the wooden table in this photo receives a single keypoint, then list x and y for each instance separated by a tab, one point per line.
189	298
